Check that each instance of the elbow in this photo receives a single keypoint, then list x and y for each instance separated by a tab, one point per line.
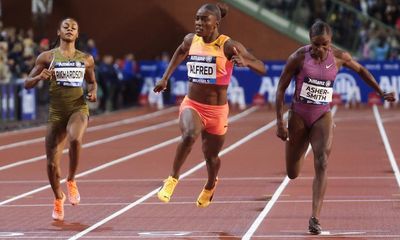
262	70
27	85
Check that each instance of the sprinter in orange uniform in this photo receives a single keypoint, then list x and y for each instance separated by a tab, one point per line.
210	60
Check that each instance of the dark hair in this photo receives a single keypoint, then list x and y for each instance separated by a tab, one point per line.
70	18
219	10
320	28
56	43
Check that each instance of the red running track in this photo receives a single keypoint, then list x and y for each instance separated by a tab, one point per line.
123	165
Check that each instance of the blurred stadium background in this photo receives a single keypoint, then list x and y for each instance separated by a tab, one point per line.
132	42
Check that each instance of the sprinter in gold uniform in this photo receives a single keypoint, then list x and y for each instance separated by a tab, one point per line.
65	68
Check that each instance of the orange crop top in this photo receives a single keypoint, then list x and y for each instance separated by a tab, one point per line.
206	62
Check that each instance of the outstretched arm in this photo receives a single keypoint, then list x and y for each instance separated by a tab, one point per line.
238	54
345	59
41	71
90	79
291	68
180	54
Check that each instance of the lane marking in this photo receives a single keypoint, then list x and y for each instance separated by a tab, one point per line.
249	233
10	234
388	148
95	128
372	178
123	159
96	142
164	234
218	236
214	202
187	173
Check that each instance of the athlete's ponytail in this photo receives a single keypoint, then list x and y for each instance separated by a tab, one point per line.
223	8
55	43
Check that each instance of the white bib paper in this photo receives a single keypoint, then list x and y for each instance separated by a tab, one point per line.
316	92
69	74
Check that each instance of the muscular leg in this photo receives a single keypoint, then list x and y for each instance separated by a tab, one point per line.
75	129
297	145
190	125
321	136
55	141
212	145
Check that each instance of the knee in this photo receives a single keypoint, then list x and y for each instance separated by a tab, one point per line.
210	159
321	163
189	137
75	142
52	166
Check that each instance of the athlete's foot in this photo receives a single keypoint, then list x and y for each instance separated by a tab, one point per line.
313	226
58	211
167	189
73	193
206	196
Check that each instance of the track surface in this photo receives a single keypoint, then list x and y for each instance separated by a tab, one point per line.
126	156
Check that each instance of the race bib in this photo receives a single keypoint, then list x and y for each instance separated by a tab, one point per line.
316	91
202	69
69	74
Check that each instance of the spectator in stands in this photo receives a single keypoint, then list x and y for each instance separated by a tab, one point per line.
5	74
44	45
381	48
162	65
92	49
130	81
109	83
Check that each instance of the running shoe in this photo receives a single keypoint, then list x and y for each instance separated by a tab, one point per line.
206	196
73	193
58	211
167	189
313	226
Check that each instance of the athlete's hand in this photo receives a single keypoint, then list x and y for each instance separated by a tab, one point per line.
160	86
389	96
237	58
282	133
91	96
46	74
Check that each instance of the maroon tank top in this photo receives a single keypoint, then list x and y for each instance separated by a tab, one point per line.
314	87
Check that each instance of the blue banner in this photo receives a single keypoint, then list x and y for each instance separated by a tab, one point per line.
348	84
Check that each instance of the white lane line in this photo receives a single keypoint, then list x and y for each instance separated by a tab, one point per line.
249	233
207	236
123	159
371	178
388	148
95	128
97	142
187	173
366	201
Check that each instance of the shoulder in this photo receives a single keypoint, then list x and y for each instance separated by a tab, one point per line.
87	57
295	61
341	56
189	38
47	54
299	55
231	43
45	57
187	42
